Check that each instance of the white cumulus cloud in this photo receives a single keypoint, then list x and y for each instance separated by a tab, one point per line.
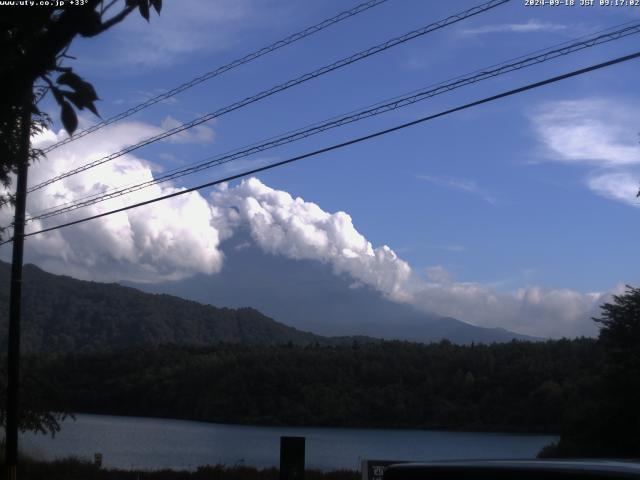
162	241
281	224
180	237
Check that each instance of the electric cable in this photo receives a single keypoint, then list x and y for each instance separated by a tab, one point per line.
353	141
278	88
377	109
220	70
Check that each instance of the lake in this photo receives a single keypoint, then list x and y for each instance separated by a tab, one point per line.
152	443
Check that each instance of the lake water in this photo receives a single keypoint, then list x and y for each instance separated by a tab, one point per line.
151	444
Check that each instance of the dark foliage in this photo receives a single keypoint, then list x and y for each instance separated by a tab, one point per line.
606	422
72	469
34	42
62	314
104	348
518	386
37	393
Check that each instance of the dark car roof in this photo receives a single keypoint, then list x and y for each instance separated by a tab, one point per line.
515	469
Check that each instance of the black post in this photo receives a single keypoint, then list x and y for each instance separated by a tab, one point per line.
291	458
13	370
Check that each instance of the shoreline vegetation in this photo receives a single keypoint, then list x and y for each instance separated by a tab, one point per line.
78	469
586	389
516	387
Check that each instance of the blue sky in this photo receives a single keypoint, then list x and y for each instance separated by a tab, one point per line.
536	189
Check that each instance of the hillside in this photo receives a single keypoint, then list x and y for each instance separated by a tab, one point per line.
62	314
310	296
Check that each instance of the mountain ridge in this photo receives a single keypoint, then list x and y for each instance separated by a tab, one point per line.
63	314
309	295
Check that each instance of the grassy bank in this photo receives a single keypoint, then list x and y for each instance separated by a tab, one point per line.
74	469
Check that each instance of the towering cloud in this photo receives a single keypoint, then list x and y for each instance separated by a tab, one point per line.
162	241
180	237
280	224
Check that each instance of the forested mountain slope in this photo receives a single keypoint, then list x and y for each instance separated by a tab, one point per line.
62	314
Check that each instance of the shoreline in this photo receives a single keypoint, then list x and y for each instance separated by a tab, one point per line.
142	442
72	468
266	425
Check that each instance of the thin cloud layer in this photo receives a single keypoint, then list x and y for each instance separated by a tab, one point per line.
599	133
620	186
530	26
183	29
198	134
461	184
180	237
533	310
594	130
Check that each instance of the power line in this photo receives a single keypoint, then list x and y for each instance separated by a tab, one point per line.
379	133
596	36
220	70
283	86
377	109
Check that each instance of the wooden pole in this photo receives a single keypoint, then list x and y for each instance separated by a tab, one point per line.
13	357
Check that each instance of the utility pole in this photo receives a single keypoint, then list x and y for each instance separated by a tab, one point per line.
13	369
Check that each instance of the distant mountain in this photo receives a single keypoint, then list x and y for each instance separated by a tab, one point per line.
62	314
308	295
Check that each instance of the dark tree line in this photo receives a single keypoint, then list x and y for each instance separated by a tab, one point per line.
518	386
34	40
606	422
586	389
62	314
